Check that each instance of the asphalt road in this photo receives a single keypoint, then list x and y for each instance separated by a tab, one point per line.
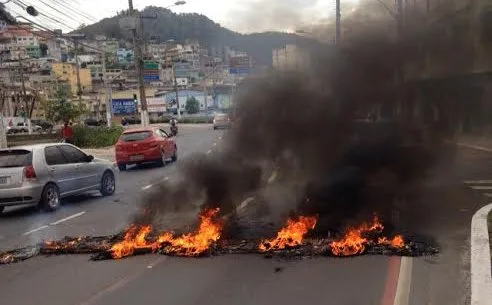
443	210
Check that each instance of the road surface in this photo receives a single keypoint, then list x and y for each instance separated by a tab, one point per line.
447	202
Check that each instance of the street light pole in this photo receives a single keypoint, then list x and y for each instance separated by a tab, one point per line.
338	21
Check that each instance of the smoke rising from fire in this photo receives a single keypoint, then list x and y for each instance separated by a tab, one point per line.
338	130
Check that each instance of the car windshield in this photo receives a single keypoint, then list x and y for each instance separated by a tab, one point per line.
135	136
15	158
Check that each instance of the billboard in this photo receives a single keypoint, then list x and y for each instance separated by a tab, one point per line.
151	71
123	106
239	65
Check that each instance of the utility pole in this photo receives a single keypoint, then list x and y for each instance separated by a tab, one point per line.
24	97
338	25
109	97
77	68
176	91
3	130
139	64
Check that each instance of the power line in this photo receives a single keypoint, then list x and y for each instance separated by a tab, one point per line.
76	9
42	13
57	10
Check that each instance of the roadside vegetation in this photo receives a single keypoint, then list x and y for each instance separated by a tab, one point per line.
96	137
184	120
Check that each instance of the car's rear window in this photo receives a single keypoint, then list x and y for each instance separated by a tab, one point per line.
15	158
221	116
135	136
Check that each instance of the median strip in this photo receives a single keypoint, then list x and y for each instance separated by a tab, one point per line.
481	274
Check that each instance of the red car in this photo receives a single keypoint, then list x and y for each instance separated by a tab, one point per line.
136	146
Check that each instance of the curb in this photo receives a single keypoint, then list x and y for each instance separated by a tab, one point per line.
481	274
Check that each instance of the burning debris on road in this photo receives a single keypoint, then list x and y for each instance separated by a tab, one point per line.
289	242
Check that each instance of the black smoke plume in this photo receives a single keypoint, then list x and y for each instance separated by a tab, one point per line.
341	130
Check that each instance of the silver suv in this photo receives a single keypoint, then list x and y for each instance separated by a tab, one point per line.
44	173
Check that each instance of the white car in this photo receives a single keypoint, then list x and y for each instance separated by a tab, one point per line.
45	173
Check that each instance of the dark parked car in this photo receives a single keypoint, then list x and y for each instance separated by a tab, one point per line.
45	125
94	122
133	120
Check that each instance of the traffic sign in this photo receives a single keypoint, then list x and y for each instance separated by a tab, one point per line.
151	65
239	70
151	77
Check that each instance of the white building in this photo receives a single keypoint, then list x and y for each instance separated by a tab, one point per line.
290	57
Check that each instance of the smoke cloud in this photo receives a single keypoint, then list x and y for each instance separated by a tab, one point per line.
331	132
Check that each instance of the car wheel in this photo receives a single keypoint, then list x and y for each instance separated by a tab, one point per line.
162	161
1	210
215	127
174	158
122	167
108	184
50	198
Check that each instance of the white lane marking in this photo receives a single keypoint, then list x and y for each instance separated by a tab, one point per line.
147	187
209	152
474	147
245	203
477	187
402	295
34	230
67	218
481	274
478	182
220	138
272	177
165	179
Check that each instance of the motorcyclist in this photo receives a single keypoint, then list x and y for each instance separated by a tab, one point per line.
174	128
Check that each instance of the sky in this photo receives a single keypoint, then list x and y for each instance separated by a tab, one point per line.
240	15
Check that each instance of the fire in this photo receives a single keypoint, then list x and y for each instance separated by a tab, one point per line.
194	244
291	235
355	239
135	237
395	242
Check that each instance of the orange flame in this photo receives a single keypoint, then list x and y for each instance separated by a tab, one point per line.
196	243
291	235
354	242
395	242
134	238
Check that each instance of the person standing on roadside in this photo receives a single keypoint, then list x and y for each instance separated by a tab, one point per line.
67	133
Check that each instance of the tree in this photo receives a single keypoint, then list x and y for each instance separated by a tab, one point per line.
192	105
44	49
59	108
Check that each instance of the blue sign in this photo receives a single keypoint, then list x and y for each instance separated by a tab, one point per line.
151	77
239	70
123	106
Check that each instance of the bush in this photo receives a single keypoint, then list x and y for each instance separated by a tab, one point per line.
95	137
196	120
184	120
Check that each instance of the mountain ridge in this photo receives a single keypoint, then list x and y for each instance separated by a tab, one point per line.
193	26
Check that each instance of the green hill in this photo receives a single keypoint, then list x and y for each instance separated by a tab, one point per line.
181	27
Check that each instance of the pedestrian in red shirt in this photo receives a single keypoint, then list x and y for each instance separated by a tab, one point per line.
67	133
